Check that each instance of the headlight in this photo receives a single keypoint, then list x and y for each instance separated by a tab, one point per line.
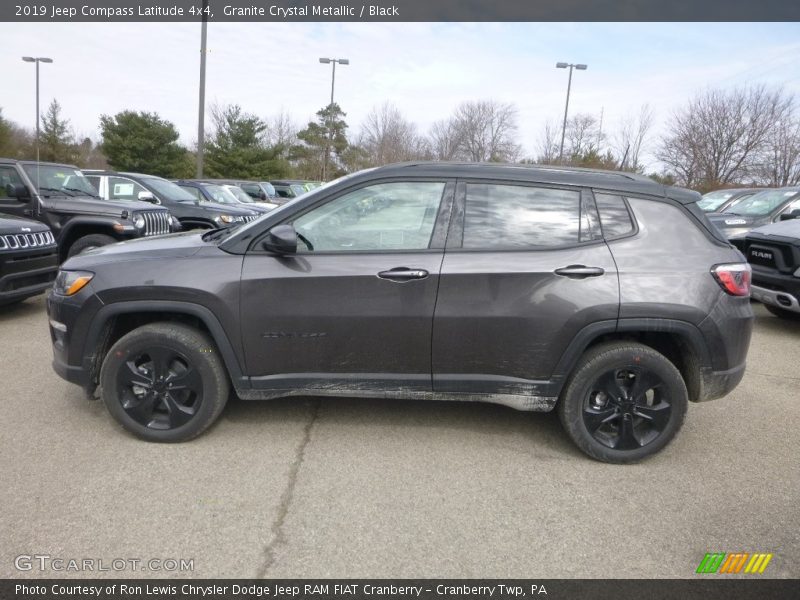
229	219
170	221
139	222
69	283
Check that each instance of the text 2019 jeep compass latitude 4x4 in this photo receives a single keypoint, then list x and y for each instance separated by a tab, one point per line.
604	295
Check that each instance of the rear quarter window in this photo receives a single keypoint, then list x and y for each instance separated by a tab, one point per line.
615	218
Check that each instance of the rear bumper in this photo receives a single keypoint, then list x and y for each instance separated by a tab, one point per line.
716	384
781	299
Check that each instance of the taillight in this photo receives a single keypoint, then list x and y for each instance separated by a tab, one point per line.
733	278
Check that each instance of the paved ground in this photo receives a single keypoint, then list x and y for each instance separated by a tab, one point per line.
357	488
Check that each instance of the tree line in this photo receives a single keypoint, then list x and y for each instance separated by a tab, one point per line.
718	138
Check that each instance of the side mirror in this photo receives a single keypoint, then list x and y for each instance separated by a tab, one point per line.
148	197
281	239
18	191
792	214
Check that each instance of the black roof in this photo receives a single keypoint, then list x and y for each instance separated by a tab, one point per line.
620	181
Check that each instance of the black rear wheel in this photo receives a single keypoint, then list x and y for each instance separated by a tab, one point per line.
623	403
164	382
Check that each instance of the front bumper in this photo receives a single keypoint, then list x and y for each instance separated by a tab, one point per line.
24	274
69	320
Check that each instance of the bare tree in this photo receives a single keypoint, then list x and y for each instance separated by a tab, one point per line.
630	140
387	136
716	139
582	136
487	131
444	140
547	144
281	130
780	161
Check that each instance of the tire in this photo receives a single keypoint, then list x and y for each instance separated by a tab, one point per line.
94	240
782	312
157	357
623	402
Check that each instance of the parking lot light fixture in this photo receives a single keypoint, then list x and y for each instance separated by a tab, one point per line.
332	62
37	60
570	66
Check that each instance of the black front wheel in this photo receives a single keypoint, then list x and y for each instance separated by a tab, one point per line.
88	242
623	403
164	382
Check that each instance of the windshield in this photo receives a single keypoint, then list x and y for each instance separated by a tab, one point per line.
269	189
298	189
239	194
168	190
220	194
761	204
59	179
713	200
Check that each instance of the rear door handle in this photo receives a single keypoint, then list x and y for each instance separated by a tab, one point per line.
401	274
579	271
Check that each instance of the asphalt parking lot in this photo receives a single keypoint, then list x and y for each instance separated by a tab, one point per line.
359	488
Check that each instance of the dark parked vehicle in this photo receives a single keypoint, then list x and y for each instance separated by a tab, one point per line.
719	200
289	188
28	258
255	190
759	209
63	199
191	211
533	287
221	193
774	254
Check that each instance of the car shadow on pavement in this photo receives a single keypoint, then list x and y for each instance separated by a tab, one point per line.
20	310
542	431
773	324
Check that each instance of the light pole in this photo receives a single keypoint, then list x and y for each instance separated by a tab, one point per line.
332	61
37	60
563	65
201	116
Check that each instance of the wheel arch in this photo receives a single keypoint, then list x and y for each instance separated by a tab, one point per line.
115	320
682	343
78	228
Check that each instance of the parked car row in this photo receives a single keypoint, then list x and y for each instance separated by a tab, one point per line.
50	212
765	225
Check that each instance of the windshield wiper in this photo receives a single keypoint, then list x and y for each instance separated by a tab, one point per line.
82	192
215	234
57	190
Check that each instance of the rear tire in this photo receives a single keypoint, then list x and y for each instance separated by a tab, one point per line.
783	313
164	382
88	242
623	403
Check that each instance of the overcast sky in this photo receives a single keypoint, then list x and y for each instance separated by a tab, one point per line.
426	69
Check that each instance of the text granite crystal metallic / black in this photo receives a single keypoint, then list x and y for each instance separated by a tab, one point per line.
603	295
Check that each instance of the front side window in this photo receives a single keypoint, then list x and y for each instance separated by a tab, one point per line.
517	217
8	175
120	188
386	216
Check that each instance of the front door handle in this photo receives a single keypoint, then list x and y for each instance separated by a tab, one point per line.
401	274
579	271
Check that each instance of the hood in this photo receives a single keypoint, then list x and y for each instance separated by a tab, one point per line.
219	208
12	224
86	205
175	245
782	229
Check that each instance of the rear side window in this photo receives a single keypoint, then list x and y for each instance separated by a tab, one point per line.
614	216
516	216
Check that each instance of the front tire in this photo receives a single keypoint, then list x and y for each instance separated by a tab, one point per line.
164	382
88	242
623	403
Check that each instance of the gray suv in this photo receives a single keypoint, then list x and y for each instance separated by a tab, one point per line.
603	295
